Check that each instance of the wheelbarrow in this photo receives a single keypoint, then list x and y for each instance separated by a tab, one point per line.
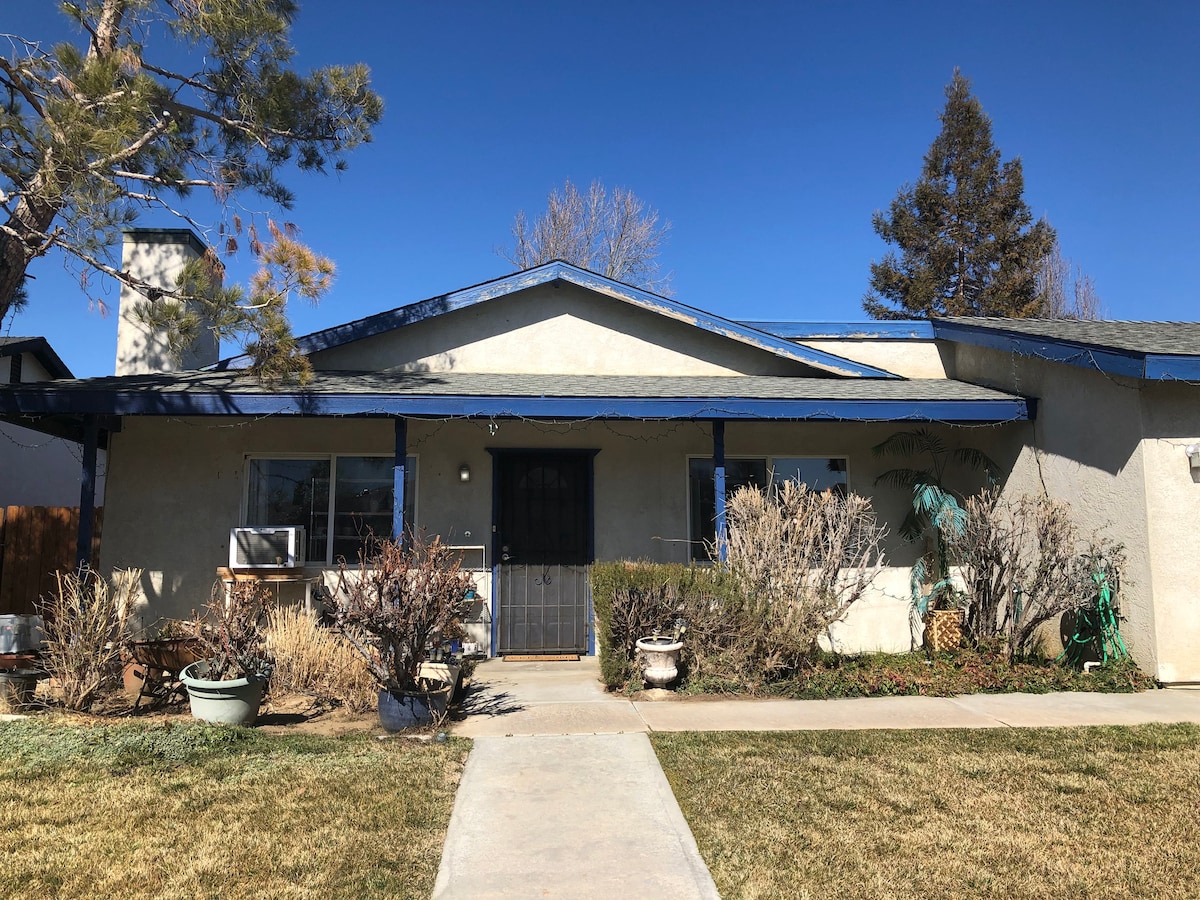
153	673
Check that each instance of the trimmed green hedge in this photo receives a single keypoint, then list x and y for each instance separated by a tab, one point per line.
634	599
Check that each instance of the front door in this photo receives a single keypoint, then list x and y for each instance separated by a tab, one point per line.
543	545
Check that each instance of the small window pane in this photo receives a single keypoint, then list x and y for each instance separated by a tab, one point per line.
703	498
363	502
291	492
818	473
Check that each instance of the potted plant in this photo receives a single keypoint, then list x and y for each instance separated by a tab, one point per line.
227	685
660	655
401	601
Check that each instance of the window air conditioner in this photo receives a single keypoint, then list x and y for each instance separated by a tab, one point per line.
274	547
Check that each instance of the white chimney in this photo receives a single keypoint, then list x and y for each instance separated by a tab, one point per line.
157	256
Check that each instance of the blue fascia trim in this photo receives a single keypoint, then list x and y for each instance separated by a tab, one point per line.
561	271
899	330
1105	359
702	408
1169	367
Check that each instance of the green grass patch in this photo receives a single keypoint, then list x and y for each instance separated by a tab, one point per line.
1093	813
202	811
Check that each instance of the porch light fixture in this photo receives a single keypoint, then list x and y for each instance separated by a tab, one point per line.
1193	455
464	473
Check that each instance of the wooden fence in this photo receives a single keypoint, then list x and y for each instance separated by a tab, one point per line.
36	542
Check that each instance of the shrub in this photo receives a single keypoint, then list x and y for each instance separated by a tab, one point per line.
396	602
1023	563
634	599
232	630
801	558
86	621
315	660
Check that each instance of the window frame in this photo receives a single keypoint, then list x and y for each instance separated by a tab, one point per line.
696	547
413	461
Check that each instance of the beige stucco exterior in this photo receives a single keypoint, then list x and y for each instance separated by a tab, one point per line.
561	330
1114	448
178	487
38	469
907	358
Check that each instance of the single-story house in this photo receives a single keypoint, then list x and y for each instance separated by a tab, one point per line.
554	417
38	469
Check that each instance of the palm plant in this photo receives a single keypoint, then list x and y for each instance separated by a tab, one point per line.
936	511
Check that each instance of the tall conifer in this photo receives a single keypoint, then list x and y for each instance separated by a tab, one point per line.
968	245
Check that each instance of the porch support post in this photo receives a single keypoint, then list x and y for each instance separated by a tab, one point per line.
87	493
718	431
398	473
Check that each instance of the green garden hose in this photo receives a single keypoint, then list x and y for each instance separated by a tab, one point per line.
1096	630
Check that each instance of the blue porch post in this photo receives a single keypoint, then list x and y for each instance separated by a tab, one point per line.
718	429
398	473
87	493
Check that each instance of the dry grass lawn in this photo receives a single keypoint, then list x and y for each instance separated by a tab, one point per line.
1068	814
195	811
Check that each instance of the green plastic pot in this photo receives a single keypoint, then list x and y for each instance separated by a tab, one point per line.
233	702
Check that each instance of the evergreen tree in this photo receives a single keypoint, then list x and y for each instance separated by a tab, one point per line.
968	243
158	99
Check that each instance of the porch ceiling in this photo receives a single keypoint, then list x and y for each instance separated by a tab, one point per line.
386	394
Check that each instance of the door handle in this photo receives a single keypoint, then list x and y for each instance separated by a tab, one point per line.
505	557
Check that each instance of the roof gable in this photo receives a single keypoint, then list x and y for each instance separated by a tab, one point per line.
40	349
564	272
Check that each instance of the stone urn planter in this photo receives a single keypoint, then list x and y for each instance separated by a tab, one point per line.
660	659
232	702
413	708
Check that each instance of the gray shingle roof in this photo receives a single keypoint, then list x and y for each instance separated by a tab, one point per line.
506	385
457	395
1174	338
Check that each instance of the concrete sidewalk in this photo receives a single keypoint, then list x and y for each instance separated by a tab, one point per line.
568	816
563	796
567	698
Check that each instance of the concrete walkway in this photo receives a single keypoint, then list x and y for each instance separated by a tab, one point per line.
564	797
567	698
569	816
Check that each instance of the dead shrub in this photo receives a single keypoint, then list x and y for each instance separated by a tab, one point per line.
1024	562
85	622
315	660
802	558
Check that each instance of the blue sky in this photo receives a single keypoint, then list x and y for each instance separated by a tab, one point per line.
767	133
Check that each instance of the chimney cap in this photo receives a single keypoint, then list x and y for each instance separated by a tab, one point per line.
165	236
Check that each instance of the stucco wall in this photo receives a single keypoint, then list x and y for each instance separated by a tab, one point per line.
179	489
563	330
1171	421
911	358
37	469
1086	447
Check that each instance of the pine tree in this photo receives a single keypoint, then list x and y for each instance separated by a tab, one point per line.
159	99
968	243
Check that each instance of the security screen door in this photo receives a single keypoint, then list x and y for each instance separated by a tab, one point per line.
543	549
